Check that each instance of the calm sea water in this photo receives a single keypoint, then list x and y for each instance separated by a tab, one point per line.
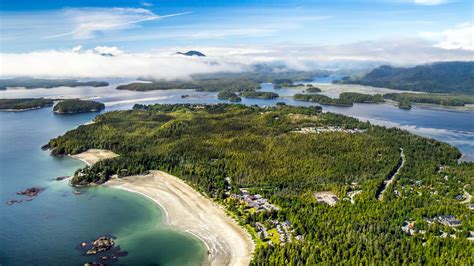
48	229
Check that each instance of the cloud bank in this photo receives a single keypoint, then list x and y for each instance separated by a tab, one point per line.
112	62
93	64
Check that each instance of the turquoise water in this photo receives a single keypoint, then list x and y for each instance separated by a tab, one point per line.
48	229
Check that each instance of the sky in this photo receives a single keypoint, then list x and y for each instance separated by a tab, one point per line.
299	34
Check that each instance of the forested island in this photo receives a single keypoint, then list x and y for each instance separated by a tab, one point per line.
311	89
212	85
442	77
228	95
77	106
302	182
232	82
259	95
33	83
346	99
430	98
24	104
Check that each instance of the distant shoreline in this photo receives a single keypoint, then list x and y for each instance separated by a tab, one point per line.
22	110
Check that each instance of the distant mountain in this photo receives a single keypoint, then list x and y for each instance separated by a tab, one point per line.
191	53
442	77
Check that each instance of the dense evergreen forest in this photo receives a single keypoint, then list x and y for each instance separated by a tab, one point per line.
77	106
228	95
260	94
345	98
443	77
32	83
265	150
430	98
213	85
312	89
232	82
24	103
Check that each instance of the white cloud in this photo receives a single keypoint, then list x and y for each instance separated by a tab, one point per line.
162	63
92	64
107	50
77	48
460	37
429	2
90	21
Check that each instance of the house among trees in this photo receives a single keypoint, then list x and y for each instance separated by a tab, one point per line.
448	220
254	201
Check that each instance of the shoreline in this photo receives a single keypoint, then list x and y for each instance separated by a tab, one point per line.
92	156
187	210
25	109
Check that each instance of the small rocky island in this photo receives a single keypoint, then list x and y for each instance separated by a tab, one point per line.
104	249
101	244
77	106
30	194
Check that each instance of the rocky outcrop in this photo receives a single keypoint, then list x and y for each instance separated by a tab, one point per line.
11	202
45	147
30	192
101	244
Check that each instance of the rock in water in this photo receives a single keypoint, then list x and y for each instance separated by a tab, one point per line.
101	244
11	202
30	192
45	147
59	178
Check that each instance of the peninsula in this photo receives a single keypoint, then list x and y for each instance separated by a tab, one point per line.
24	104
279	170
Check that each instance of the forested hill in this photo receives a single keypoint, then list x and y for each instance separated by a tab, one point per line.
446	77
286	155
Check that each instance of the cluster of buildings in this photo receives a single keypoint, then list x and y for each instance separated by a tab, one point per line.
254	201
409	228
261	229
284	230
329	129
326	197
448	220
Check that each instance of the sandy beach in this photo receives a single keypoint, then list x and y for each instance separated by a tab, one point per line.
188	210
92	156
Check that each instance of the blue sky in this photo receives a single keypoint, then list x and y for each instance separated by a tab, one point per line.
26	23
41	37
